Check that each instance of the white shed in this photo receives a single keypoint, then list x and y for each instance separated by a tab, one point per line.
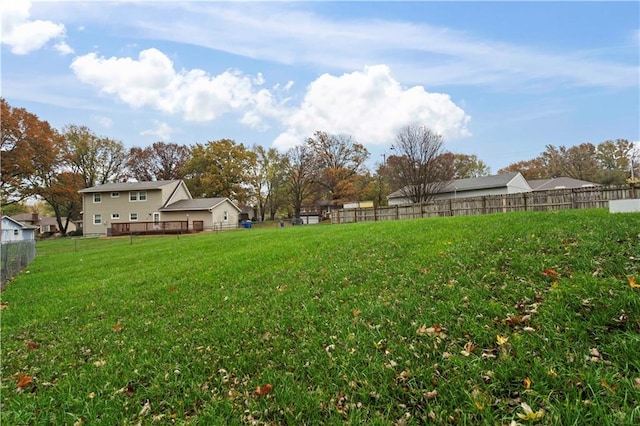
12	230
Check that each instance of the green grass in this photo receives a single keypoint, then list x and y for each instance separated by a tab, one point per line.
377	323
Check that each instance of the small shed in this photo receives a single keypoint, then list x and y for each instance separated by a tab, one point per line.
14	231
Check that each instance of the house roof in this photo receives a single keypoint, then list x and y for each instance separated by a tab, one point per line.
20	224
196	204
469	184
130	186
559	183
24	217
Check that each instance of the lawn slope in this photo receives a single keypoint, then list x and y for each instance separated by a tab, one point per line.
528	317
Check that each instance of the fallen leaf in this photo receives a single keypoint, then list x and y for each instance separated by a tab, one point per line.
263	390
117	327
551	273
145	409
636	382
527	383
24	380
32	345
633	283
3	306
431	394
529	414
502	340
356	312
172	288
92	395
100	363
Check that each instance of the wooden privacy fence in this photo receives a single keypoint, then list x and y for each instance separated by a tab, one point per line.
559	199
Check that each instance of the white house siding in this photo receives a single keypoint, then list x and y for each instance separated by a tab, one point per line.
518	184
171	194
12	231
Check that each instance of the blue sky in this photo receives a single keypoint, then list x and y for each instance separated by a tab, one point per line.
498	79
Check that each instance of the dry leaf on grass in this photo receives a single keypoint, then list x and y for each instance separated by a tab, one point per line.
529	414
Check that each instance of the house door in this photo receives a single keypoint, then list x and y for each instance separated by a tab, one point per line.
156	217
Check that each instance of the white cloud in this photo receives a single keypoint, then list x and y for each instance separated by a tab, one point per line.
162	130
151	81
371	106
63	48
24	35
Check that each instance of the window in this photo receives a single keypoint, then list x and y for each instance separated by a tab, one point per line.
138	196
115	215
226	216
15	232
133	216
115	194
97	197
97	219
156	217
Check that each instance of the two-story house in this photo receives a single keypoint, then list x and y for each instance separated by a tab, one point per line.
152	207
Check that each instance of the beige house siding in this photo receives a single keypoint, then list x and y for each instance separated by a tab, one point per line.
148	201
212	220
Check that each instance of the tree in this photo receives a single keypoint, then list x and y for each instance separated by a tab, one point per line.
160	161
98	160
60	191
24	138
420	163
268	178
469	166
219	169
338	162
614	159
530	169
300	176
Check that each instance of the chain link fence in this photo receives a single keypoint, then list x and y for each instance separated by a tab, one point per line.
14	257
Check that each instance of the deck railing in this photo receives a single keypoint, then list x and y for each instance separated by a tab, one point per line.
141	228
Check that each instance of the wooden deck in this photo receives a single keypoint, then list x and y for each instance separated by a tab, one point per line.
149	228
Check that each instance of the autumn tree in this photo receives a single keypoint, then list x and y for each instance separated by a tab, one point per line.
469	166
614	159
300	176
420	164
268	178
339	160
97	159
160	161
530	169
220	169
24	137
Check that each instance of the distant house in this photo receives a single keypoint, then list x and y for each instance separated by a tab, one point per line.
509	183
559	183
158	206
45	224
14	231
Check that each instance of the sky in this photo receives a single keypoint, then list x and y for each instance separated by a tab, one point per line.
501	80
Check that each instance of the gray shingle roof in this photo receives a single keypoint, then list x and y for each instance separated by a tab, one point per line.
129	186
193	204
559	183
470	184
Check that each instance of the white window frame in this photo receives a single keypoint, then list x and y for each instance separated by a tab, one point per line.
115	194
156	217
97	219
133	217
137	196
115	216
226	215
97	197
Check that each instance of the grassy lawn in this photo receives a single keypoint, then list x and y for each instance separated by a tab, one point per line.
445	321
